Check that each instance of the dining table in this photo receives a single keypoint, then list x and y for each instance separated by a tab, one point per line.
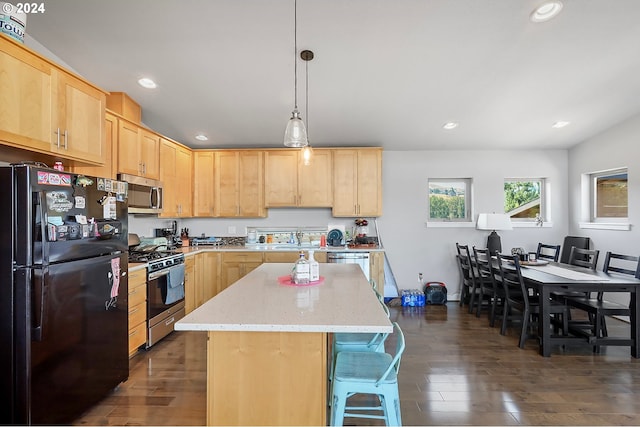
547	278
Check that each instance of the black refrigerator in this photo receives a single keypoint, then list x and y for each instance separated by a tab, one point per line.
63	293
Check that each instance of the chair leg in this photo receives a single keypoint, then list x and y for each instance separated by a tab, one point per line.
492	312
392	410
472	299
603	325
337	407
524	332
505	316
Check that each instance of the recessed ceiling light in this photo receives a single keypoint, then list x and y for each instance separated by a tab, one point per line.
450	125
546	11
560	124
147	83
201	137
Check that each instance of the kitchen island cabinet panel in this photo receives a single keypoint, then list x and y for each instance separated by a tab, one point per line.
294	362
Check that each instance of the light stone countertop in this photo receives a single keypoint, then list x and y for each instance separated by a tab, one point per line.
344	302
190	250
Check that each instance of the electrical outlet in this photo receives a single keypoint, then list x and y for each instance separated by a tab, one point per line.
231	229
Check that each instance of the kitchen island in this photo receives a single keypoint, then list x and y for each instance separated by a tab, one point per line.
267	348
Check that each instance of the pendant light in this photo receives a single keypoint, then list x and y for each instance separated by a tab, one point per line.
307	151
295	135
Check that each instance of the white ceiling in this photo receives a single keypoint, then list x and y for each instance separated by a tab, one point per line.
386	72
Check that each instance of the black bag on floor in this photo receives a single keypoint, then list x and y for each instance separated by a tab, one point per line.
435	293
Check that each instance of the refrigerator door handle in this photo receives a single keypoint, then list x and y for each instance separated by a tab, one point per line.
40	304
44	221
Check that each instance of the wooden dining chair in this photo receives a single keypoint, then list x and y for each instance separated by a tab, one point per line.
598	308
580	257
520	305
548	252
489	288
470	288
587	258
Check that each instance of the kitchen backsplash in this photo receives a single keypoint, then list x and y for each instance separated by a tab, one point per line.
229	227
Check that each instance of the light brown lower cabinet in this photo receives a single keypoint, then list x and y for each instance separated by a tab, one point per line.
137	310
376	270
189	283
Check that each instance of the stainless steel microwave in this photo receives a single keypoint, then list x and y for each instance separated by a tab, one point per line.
144	194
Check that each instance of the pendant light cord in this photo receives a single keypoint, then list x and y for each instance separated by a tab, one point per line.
295	53
306	98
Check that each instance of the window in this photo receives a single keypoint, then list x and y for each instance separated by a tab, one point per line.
610	195
450	199
524	199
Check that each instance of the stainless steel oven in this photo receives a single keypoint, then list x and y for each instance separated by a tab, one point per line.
165	299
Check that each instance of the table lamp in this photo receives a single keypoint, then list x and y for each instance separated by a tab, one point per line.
493	222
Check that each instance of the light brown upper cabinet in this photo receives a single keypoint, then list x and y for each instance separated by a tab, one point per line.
176	174
239	185
291	183
138	150
203	202
357	182
48	109
110	167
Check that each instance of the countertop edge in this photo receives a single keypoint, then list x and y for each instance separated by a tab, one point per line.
216	327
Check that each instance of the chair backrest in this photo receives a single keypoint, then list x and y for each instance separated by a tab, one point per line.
484	266
628	264
569	241
584	257
550	252
512	282
466	267
395	363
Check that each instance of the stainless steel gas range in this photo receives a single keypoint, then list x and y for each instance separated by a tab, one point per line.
165	291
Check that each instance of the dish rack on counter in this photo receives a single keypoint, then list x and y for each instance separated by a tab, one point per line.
206	241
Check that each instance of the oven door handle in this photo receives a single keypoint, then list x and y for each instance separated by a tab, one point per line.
160	273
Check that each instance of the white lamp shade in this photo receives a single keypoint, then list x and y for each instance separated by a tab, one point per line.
296	134
493	221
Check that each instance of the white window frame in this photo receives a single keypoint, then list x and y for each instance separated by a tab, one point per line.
589	203
545	210
467	221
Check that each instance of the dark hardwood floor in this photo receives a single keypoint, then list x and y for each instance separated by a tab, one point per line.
456	370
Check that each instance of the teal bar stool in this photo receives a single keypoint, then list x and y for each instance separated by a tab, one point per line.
368	373
347	341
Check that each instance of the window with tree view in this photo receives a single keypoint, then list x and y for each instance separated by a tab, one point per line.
449	199
523	199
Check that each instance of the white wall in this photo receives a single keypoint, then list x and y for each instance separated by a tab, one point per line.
413	248
616	147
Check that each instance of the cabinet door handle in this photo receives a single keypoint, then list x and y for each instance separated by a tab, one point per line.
65	139
58	137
